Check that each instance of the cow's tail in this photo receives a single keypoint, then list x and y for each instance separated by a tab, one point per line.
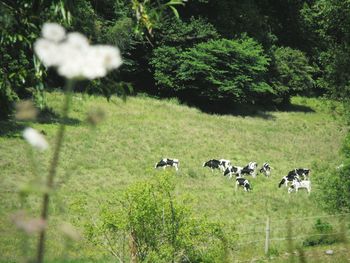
282	182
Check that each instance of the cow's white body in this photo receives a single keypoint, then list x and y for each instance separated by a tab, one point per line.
296	185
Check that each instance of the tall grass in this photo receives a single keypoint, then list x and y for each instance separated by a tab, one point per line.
136	134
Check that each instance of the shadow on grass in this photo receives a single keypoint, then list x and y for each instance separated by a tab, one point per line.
296	108
10	129
13	129
48	116
249	110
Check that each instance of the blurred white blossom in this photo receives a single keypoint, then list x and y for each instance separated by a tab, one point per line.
48	52
35	138
53	32
73	56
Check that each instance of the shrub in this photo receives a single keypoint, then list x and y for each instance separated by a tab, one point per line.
335	183
216	70
291	72
323	235
157	227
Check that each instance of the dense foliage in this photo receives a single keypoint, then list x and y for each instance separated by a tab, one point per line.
231	70
158	41
152	225
21	73
292	73
335	183
329	27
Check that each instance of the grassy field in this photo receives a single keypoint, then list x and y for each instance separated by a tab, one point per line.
97	164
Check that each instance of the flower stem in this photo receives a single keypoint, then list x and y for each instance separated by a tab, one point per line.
53	168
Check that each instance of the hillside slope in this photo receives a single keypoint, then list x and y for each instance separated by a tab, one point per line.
98	163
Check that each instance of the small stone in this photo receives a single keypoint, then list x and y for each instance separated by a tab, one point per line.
329	252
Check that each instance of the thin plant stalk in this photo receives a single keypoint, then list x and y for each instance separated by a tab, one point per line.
53	168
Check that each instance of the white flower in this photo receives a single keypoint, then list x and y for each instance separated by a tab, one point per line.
72	61
110	56
93	67
34	138
77	40
73	57
53	32
48	52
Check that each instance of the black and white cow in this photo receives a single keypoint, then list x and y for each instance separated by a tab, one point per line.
233	170
168	162
224	164
250	169
213	164
289	178
244	183
296	185
303	173
297	173
266	169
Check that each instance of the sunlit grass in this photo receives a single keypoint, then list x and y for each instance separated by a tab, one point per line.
98	163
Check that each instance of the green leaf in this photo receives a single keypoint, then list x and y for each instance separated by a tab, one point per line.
176	13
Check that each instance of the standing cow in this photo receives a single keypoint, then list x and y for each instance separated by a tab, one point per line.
166	162
224	164
296	185
266	169
250	169
233	170
213	164
244	183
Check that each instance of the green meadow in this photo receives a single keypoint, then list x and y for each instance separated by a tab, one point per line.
98	163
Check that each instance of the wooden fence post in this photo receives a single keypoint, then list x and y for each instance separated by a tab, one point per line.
267	237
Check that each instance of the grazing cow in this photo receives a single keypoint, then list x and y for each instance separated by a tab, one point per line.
250	169
302	173
224	164
296	185
289	178
236	170
266	169
244	183
168	162
213	164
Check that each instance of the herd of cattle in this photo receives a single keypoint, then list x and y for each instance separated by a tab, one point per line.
298	178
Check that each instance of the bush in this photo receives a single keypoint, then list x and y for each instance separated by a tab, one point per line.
323	235
334	183
216	70
157	227
291	73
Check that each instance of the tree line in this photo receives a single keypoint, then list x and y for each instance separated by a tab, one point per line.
201	51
